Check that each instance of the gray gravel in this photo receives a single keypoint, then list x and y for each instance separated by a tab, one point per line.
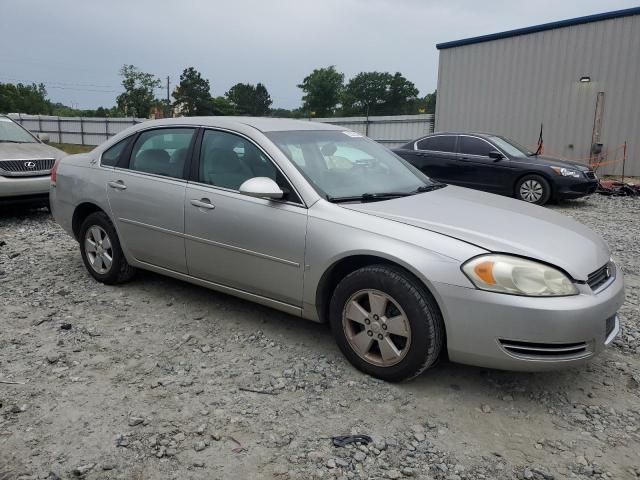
160	379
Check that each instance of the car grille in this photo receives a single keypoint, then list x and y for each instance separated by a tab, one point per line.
590	174
598	278
26	168
545	351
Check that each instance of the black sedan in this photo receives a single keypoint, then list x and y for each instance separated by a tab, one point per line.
498	165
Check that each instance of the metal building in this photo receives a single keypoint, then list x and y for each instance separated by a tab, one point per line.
579	78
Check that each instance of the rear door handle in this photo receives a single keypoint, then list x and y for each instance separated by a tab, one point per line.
203	203
119	185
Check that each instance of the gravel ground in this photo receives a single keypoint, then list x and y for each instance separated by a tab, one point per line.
159	379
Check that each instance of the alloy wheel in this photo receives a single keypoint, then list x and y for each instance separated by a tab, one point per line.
531	191
98	249
376	327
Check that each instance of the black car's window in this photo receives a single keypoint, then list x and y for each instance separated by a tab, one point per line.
474	146
228	160
111	156
162	151
439	143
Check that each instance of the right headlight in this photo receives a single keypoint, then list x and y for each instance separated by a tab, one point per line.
517	276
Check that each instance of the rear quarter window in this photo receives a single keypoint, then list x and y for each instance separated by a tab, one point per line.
439	143
111	156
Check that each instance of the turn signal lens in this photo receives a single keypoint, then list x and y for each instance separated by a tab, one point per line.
517	276
484	271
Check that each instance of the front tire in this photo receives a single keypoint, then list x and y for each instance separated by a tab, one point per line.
533	189
386	323
101	251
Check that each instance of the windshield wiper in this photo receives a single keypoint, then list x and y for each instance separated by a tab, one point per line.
430	188
372	197
11	141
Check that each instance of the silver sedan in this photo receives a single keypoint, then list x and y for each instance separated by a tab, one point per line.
327	225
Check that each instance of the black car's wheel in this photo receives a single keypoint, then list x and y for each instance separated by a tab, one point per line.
533	189
386	323
101	251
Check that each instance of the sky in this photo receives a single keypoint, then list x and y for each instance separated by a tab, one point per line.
76	47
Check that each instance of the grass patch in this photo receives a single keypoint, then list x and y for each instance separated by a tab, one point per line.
71	148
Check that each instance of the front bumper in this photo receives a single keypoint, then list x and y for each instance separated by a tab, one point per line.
527	333
24	186
569	187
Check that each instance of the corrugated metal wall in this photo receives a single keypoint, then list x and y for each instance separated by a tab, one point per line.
512	85
75	130
390	130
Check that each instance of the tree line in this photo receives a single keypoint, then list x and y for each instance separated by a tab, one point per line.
325	94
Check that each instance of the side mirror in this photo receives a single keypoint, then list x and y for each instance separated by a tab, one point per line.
43	137
496	155
261	187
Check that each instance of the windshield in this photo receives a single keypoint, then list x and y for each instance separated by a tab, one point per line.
13	133
512	148
347	164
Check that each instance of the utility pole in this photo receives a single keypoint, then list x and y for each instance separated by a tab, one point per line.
168	100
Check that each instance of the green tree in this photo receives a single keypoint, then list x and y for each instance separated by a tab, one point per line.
366	93
379	93
138	97
401	96
221	106
322	89
250	99
193	94
20	98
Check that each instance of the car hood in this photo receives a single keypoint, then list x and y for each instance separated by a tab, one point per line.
498	224
28	151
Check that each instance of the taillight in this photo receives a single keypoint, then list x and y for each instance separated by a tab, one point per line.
54	171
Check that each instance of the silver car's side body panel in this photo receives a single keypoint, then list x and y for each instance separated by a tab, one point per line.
148	211
252	244
278	254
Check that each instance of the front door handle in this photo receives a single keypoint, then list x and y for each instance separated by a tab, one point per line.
203	203
118	185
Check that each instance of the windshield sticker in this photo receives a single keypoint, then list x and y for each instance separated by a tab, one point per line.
349	133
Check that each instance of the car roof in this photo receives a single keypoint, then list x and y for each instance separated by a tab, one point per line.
263	124
478	134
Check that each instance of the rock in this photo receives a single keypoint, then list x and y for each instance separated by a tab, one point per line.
65	326
53	358
198	464
82	470
486	408
331	463
216	436
507	398
394	474
359	456
122	441
527	474
133	421
407	472
419	436
108	466
380	444
199	446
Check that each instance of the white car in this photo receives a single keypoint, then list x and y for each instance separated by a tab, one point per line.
25	164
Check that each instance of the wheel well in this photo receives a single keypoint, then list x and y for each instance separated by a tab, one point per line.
81	212
543	175
343	267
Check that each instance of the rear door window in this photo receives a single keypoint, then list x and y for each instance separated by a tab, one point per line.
439	143
162	151
474	146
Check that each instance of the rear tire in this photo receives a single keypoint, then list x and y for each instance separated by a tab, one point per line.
533	189
101	251
386	323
